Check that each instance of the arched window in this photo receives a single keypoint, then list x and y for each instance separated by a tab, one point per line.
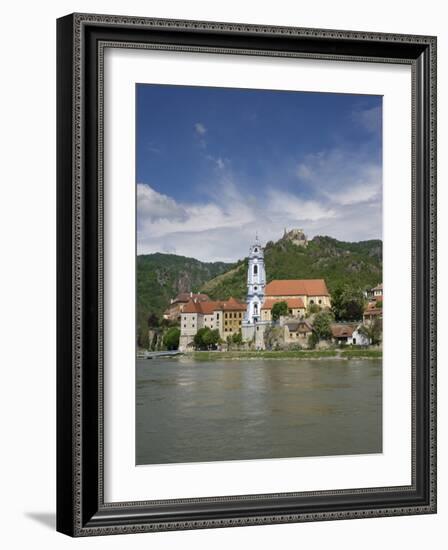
255	309
255	269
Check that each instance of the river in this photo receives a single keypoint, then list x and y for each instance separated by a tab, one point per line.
194	411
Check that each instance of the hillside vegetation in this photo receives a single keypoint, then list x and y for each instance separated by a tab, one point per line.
358	265
161	277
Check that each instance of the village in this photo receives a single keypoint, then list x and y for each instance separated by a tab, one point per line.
279	315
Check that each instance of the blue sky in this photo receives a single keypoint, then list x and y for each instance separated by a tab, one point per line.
216	165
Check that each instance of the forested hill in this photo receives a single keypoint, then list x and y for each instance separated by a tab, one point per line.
356	264
161	277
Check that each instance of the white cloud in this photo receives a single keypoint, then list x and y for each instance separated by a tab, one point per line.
304	172
285	205
155	207
369	119
338	194
164	224
354	195
219	162
342	177
200	128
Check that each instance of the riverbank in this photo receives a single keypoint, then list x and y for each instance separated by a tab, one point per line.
299	354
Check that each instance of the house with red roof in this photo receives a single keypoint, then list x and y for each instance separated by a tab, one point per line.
309	291
178	303
225	316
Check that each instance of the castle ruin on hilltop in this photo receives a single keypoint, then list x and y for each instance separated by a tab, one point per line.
295	236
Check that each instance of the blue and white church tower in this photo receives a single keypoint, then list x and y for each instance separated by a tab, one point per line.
256	283
252	328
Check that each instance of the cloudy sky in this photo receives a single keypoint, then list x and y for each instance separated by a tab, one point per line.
215	166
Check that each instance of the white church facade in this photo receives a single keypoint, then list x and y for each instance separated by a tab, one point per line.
256	283
253	327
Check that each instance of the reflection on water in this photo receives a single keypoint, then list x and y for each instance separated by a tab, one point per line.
189	411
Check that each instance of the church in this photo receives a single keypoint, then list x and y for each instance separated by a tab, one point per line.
298	294
253	317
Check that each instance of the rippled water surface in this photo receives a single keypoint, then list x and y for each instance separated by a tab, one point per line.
191	411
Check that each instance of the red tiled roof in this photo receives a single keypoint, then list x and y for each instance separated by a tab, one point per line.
300	326
293	303
297	287
208	307
193	307
187	296
233	305
342	331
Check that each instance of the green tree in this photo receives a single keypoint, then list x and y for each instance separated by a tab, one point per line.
322	325
217	338
237	338
206	338
337	303
153	320
279	309
347	304
373	331
313	339
199	338
171	338
211	338
312	309
142	338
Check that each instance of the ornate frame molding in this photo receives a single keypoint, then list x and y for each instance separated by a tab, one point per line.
81	42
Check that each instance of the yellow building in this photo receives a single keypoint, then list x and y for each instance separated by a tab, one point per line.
296	307
231	314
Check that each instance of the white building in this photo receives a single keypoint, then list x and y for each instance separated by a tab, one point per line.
256	283
253	327
358	338
348	333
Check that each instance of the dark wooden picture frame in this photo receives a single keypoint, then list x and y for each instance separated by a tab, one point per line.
81	509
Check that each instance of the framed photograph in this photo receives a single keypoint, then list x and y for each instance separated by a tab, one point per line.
246	274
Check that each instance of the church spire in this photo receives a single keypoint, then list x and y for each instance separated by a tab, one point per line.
256	282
